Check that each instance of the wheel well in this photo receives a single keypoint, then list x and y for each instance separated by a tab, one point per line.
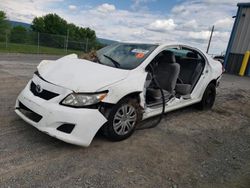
106	108
134	95
211	82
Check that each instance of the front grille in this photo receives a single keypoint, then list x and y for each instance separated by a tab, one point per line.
44	94
29	113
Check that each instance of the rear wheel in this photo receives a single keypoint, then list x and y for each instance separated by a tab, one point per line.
208	98
122	120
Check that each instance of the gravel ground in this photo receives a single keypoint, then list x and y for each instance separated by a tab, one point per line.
189	148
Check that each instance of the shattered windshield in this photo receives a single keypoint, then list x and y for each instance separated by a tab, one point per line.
124	56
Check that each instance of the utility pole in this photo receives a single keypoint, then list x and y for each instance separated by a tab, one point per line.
210	39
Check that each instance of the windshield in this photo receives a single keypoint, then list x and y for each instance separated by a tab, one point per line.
124	56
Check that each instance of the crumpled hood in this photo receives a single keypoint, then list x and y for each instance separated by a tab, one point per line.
79	75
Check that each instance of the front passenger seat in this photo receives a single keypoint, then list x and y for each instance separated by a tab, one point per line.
166	74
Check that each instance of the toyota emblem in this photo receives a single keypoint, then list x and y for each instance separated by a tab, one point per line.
39	89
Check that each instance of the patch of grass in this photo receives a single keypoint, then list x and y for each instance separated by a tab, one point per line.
32	49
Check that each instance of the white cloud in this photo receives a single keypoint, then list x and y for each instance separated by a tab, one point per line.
189	25
72	7
202	35
25	10
179	9
140	4
189	21
206	13
228	2
106	8
224	23
162	25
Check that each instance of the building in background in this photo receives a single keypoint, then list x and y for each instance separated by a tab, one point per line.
239	42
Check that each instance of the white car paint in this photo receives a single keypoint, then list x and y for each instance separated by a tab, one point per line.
67	72
70	74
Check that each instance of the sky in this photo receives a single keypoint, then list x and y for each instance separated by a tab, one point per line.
154	21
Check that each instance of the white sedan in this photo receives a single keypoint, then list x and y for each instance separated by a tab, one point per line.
72	98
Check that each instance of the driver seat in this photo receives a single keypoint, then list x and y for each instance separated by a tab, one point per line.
166	73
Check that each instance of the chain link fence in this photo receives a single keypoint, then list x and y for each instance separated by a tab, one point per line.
43	43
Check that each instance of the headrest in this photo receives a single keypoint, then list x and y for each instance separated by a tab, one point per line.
192	55
168	57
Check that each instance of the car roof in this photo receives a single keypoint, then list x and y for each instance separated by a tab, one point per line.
165	44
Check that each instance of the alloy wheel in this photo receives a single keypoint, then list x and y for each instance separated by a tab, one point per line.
125	119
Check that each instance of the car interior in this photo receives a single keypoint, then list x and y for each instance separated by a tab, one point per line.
177	71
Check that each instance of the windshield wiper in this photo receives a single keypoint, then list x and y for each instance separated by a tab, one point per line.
117	65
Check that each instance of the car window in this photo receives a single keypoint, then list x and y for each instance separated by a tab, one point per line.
179	52
125	56
186	53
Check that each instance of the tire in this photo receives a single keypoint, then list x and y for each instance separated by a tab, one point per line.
121	126
208	98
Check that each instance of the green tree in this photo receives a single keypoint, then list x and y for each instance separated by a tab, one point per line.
54	24
18	34
38	24
50	23
4	25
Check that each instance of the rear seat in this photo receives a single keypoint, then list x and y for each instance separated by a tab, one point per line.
190	71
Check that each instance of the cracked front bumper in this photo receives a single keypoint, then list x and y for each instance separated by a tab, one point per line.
52	115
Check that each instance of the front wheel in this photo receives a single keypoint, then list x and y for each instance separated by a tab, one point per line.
122	120
208	98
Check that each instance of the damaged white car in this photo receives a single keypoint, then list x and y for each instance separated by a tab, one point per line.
71	99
